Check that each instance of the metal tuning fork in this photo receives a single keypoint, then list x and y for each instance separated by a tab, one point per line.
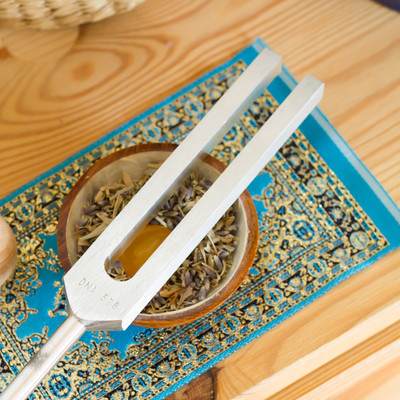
96	301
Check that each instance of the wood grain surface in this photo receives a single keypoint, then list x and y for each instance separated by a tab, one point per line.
247	226
61	90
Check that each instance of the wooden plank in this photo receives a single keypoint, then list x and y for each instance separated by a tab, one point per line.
328	353
348	369
62	90
321	332
373	377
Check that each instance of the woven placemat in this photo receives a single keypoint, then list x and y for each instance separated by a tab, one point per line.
322	218
55	14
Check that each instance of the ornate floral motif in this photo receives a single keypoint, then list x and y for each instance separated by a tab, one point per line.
311	231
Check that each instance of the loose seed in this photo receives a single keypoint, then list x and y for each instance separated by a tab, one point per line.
200	272
202	293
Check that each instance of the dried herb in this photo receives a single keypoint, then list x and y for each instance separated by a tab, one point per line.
200	272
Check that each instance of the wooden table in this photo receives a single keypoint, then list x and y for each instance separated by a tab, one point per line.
61	90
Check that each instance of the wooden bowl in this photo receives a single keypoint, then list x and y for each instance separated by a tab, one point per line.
8	251
134	160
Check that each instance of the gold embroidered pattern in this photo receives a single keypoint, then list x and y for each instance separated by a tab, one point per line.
311	231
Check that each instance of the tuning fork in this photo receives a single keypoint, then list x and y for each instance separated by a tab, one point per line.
98	302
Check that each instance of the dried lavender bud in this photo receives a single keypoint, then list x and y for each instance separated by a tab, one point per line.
202	293
189	193
223	254
82	221
206	183
188	278
204	267
88	210
217	262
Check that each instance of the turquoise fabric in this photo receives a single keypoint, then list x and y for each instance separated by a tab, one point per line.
323	217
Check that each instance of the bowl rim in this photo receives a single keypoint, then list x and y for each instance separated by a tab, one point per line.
188	314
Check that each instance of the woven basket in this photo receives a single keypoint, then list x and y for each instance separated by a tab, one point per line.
54	14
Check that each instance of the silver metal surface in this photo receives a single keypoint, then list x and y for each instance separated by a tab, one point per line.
97	301
107	302
222	194
46	358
